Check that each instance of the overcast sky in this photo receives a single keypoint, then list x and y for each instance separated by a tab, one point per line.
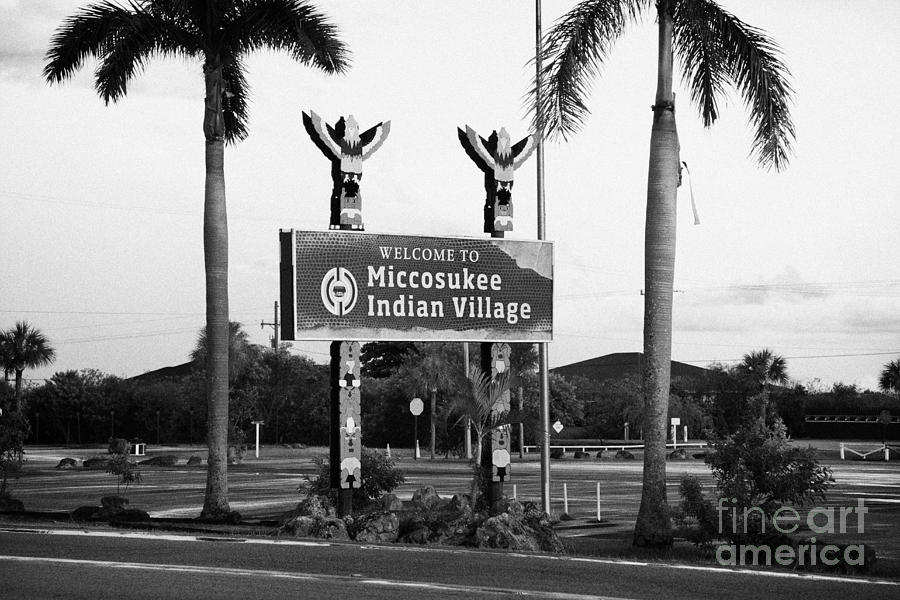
101	207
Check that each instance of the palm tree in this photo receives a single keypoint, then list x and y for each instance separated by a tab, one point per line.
220	33
524	359
477	408
715	49
240	351
890	377
763	367
24	347
432	368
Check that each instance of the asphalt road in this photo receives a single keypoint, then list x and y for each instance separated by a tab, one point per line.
112	564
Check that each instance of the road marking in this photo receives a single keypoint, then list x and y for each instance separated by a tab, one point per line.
467	590
451	550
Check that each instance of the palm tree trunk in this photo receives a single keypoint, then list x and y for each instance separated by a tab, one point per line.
215	251
432	419
18	392
653	527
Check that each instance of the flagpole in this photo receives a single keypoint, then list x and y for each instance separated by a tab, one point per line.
544	428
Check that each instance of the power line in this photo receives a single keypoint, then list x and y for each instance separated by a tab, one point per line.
895	352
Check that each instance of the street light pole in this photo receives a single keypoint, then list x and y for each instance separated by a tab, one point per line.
544	427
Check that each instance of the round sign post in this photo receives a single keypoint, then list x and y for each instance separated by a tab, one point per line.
416	407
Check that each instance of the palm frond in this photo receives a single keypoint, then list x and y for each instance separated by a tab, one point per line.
702	60
293	26
753	64
237	95
142	36
87	33
573	51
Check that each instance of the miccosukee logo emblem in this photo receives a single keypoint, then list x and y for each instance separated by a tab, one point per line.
339	291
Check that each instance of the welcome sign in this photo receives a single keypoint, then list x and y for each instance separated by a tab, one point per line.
362	286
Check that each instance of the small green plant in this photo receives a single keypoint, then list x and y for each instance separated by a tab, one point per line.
126	472
380	476
695	518
13	431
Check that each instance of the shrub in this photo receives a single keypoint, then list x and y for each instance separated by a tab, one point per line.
125	471
757	467
557	452
379	476
695	518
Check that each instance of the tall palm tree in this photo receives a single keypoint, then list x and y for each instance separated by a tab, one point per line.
220	33
24	347
239	350
889	380
715	50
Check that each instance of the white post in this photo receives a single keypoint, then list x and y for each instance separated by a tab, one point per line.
887	453
685	434
514	492
675	437
388	451
418	454
565	499
257	423
626	431
598	501
842	451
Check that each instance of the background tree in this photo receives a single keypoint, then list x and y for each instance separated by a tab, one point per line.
220	33
889	380
715	49
24	347
434	368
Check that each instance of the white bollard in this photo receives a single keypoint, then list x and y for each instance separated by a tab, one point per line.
685	434
514	492
565	499
387	452
598	501
887	453
842	451
418	454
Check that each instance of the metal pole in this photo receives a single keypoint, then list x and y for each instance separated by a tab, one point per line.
544	427
468	421
415	437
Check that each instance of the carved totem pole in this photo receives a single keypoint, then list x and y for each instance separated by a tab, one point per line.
347	149
501	158
498	159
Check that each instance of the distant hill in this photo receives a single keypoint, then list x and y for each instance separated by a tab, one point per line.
621	365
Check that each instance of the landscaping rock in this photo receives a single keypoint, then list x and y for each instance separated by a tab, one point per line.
130	515
415	530
10	504
599	454
166	460
98	463
84	513
67	463
194	461
678	454
426	498
503	531
581	454
557	453
377	527
391	502
625	454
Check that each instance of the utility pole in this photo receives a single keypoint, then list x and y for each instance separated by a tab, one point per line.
275	325
544	427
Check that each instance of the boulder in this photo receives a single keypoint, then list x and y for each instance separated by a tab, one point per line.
678	454
415	530
581	454
391	502
624	454
98	463
315	506
503	531
166	460
67	463
426	498
557	453
84	513
10	504
383	526
194	461
600	454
